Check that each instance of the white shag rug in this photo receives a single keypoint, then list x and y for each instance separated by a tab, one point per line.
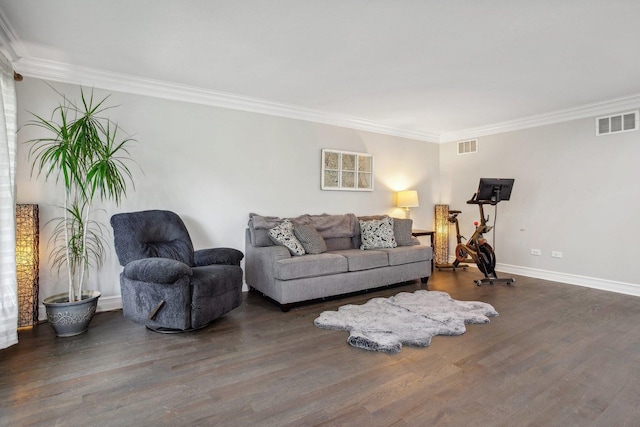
384	324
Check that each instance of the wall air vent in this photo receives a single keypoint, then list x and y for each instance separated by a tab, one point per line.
468	146
623	122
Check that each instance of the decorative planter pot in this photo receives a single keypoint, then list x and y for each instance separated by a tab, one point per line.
71	318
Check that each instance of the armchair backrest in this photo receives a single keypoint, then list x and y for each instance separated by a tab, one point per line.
149	234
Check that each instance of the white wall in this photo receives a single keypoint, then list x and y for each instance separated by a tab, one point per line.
574	192
213	166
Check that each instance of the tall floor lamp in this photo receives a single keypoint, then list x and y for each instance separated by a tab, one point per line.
27	263
441	241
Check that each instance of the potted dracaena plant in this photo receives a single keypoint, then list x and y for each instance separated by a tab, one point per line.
85	156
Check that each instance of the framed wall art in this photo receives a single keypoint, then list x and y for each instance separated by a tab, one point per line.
346	171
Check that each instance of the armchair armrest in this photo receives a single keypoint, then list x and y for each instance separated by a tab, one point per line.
222	256
156	270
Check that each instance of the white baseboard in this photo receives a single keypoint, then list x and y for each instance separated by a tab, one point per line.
572	279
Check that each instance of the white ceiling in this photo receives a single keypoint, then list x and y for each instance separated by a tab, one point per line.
434	69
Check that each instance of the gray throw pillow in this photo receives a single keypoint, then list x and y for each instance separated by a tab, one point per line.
283	235
311	240
377	234
402	231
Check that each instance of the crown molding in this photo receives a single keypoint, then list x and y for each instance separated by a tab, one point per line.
66	73
10	45
582	112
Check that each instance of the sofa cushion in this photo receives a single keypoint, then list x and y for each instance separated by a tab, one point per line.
282	235
340	243
259	229
311	240
377	233
260	238
408	254
402	231
356	242
309	266
364	260
330	226
372	217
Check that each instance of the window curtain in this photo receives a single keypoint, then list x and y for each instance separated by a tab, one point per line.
8	280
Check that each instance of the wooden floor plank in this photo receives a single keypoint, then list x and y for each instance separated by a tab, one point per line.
557	355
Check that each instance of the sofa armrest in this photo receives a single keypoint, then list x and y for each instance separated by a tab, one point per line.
156	270
222	256
259	265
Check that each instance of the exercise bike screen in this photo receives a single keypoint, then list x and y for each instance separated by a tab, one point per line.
495	189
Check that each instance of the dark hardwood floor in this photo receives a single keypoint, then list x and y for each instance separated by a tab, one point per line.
558	355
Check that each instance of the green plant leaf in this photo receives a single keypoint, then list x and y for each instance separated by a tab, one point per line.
82	151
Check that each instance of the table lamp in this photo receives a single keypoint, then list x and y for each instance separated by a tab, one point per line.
408	199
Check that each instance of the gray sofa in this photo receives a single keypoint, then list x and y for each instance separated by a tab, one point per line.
336	265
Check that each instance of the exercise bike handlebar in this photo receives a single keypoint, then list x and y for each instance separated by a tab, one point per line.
474	201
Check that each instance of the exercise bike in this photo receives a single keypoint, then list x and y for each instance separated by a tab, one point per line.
490	192
453	219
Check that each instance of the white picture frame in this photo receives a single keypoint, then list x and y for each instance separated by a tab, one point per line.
346	171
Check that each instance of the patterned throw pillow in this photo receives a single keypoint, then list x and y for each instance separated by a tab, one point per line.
283	235
311	240
402	231
377	234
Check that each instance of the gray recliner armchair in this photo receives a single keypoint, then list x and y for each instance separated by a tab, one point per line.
165	284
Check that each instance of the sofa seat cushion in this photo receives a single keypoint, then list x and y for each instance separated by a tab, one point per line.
309	266
408	254
364	260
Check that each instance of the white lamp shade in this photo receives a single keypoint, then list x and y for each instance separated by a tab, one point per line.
408	199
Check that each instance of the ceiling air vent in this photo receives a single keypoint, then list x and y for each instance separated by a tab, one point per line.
468	146
624	122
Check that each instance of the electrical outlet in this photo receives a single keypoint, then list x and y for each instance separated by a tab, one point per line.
536	252
556	254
